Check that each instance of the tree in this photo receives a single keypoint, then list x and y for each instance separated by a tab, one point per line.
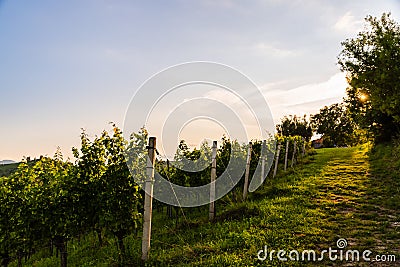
372	63
293	125
335	124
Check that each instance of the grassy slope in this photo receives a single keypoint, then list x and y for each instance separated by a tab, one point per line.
8	169
338	193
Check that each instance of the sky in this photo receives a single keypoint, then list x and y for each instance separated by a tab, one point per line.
68	65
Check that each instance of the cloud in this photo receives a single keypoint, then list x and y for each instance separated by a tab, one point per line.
306	99
271	50
348	24
223	96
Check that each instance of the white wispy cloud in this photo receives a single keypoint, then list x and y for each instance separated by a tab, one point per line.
274	50
306	99
348	23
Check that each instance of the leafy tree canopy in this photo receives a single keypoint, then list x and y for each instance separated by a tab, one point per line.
372	63
335	124
293	125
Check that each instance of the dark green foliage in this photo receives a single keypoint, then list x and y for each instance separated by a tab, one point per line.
201	157
293	125
372	64
50	201
335	124
37	205
119	195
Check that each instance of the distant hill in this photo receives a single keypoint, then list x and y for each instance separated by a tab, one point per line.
7	167
7	161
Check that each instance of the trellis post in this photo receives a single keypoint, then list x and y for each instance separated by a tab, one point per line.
294	153
263	155
212	184
246	176
286	153
148	199
277	160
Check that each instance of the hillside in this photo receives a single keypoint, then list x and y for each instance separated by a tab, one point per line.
7	169
4	162
337	193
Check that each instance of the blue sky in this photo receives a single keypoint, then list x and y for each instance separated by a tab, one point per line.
67	65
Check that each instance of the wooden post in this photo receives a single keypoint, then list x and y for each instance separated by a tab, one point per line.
211	215
247	173
294	153
277	160
263	155
148	199
286	152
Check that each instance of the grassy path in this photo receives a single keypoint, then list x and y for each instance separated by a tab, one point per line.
356	198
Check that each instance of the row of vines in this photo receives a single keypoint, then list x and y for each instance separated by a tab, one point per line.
47	202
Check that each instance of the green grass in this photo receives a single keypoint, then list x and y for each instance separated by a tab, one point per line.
336	193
